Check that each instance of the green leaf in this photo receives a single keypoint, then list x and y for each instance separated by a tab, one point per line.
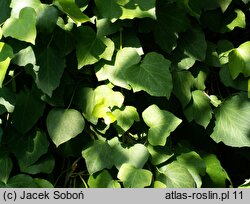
169	24
18	5
29	148
5	10
5	167
22	28
200	104
64	124
21	181
238	21
72	10
159	154
45	164
133	177
217	175
3	69
28	110
126	154
194	164
90	48
6	53
246	184
125	118
7	100
46	19
109	8
98	156
183	82
194	44
125	58
232	122
175	175
25	56
102	179
152	75
50	71
42	183
239	60
161	124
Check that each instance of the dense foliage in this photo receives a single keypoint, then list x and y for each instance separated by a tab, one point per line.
124	93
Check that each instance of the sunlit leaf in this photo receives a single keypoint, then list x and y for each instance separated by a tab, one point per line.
133	177
22	28
232	119
64	124
161	124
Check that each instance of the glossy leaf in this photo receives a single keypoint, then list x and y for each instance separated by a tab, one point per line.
42	183
161	124
98	156
232	122
17	6
152	76
17	27
133	177
28	110
64	124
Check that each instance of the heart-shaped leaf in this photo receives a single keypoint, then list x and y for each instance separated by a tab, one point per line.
22	28
64	124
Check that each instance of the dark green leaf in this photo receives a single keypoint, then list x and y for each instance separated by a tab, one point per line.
5	167
50	71
5	10
28	110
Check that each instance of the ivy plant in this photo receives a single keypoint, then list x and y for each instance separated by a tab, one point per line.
124	93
